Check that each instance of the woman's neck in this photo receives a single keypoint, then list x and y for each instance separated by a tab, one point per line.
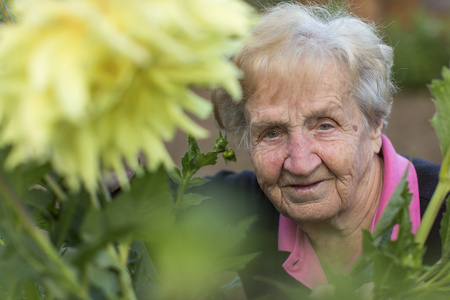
337	241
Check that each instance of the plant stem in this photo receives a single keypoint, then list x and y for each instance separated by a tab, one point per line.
6	13
66	213
54	186
123	249
181	191
441	191
123	275
64	275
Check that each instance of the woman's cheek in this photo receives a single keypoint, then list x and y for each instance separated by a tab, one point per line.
267	164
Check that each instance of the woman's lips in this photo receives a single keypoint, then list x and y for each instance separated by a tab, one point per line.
305	187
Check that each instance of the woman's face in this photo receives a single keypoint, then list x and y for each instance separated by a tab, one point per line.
312	154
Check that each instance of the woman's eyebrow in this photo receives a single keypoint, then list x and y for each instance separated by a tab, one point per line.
259	126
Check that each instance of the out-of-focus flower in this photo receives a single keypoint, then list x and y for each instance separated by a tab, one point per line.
87	84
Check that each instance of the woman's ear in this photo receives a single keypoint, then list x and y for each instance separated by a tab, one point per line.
375	138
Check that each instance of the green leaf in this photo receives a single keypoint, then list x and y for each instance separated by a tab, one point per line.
101	275
441	123
393	266
146	279
362	270
143	212
393	211
290	292
192	199
175	175
441	119
208	159
196	182
234	263
194	159
67	218
445	233
398	264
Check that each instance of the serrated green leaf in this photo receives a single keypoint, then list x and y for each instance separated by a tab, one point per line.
398	264
441	119
234	263
192	199
101	275
144	212
189	160
23	177
67	218
185	164
197	181
362	270
175	175
445	233
235	283
208	159
399	200
393	266
145	276
31	291
290	292
194	159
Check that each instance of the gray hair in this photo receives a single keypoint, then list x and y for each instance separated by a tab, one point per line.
288	32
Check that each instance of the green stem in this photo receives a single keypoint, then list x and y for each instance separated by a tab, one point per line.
430	273
123	250
181	191
442	189
65	275
436	276
123	275
432	286
67	212
54	186
5	12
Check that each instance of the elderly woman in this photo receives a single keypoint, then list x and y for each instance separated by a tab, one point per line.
316	95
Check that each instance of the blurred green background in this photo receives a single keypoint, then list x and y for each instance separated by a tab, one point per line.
419	31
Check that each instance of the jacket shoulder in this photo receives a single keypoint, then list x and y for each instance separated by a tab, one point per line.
428	178
427	175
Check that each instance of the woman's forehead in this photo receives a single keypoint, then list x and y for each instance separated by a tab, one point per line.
303	80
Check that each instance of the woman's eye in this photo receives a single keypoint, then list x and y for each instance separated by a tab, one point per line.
325	126
272	134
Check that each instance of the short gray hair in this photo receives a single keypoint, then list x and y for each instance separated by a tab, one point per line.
288	32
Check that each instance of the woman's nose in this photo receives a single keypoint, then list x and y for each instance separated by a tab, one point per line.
301	158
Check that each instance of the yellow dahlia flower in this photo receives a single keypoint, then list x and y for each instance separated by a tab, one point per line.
87	84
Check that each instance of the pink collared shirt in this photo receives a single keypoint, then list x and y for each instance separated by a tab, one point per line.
303	263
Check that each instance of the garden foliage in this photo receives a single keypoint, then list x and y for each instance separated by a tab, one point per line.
87	87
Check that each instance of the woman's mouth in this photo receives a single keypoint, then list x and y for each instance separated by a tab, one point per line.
306	186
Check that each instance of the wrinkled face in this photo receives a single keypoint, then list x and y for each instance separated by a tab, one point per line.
311	152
